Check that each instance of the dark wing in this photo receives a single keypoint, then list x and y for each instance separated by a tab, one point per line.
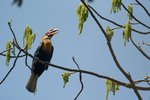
36	54
50	56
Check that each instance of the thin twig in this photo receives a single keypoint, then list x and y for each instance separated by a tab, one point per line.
134	4
146	43
139	48
81	86
11	68
5	50
134	23
75	62
80	78
26	48
115	28
143	8
13	56
142	80
15	40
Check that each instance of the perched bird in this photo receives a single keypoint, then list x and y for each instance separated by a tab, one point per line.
44	52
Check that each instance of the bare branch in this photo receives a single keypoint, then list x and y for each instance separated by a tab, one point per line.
143	8
139	48
11	68
75	62
26	58
15	40
13	56
134	23
5	50
115	28
146	43
134	4
143	80
80	79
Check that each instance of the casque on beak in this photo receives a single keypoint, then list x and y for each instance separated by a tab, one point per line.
53	31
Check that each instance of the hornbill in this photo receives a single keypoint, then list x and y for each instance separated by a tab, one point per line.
44	52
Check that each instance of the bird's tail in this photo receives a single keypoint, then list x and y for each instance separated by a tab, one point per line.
32	82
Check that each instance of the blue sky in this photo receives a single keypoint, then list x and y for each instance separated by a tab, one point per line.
89	49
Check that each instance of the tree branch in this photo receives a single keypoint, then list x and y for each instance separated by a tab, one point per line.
146	43
15	40
143	8
6	50
80	77
139	48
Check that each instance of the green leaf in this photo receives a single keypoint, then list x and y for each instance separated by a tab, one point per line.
127	33
115	6
146	73
65	77
29	41
130	9
28	37
8	46
108	84
109	32
10	20
82	13
114	87
111	86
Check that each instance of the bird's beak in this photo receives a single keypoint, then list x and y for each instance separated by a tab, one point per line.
54	31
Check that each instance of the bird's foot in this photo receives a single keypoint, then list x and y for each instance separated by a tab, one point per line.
36	59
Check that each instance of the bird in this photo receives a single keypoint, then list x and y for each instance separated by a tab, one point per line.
44	52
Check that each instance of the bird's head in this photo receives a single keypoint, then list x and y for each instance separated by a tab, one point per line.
49	34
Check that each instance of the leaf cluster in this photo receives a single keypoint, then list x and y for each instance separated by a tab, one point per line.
111	86
127	32
82	13
8	46
115	6
109	32
28	36
8	53
130	9
65	77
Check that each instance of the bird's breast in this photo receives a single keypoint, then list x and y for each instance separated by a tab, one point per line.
47	46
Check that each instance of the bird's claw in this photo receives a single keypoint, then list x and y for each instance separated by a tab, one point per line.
36	59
